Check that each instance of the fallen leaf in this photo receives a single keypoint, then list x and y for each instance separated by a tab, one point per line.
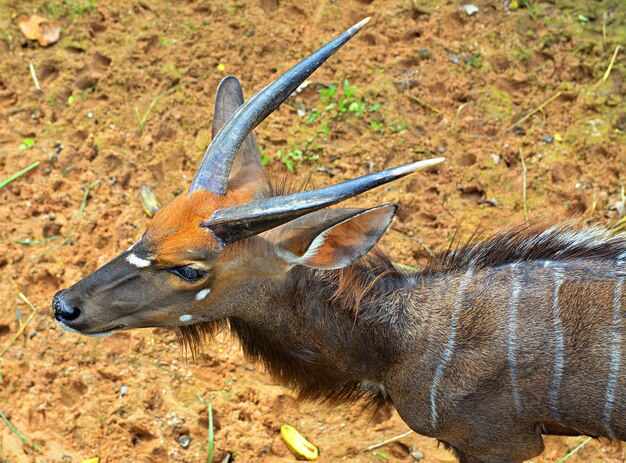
40	29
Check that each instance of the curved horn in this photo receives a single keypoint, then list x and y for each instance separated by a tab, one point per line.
246	220
215	167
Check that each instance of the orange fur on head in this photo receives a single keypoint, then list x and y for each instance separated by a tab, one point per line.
176	226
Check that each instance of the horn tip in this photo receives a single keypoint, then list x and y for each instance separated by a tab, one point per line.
427	163
361	23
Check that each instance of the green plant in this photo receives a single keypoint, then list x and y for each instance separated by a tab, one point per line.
70	8
473	62
295	156
377	126
26	143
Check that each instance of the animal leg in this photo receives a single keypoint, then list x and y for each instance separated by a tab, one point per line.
503	449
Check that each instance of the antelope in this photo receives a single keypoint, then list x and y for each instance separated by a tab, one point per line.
486	349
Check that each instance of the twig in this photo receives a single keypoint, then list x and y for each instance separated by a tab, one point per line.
385	442
19	434
424	104
456	116
609	69
524	172
10	342
530	113
210	442
18	174
574	451
34	76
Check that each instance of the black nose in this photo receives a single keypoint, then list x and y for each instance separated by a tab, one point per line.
63	311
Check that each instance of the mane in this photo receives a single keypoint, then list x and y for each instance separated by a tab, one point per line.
528	243
373	275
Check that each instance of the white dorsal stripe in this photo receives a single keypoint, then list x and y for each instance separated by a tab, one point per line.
138	262
512	337
559	344
616	346
449	349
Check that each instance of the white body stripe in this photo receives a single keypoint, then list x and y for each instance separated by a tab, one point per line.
616	346
185	318
449	349
512	337
559	351
138	262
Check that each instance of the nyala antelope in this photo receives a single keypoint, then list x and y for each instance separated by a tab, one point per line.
486	349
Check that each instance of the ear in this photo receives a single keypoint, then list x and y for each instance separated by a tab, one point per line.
332	238
247	170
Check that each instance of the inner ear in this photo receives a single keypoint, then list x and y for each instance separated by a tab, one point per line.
333	238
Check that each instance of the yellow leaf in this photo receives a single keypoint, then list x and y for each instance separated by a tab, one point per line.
221	67
149	202
92	460
296	442
38	28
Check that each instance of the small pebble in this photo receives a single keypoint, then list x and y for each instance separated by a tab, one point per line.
89	115
470	9
32	334
123	390
455	59
495	158
548	139
184	441
417	455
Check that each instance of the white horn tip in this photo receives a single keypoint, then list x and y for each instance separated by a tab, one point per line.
428	163
361	23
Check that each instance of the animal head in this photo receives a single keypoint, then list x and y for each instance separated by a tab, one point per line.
213	246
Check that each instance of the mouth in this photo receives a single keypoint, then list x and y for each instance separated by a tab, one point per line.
98	334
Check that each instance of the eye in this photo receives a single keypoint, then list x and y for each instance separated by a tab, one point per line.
187	273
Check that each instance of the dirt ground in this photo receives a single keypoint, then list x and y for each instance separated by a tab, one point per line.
126	97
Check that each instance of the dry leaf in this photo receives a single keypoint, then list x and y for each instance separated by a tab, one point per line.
38	28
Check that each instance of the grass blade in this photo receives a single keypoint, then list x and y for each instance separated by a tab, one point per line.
18	174
566	457
211	438
19	434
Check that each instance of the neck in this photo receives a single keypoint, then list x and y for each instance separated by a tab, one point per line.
331	335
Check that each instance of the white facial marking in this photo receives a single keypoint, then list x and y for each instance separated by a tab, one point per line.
138	262
202	294
185	318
